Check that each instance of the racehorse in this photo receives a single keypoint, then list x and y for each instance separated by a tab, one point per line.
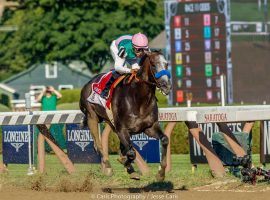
134	108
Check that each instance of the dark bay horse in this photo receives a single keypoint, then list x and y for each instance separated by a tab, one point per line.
134	108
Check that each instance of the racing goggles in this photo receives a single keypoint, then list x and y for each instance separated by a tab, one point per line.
139	50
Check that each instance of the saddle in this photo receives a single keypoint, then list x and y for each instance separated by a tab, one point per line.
99	86
115	83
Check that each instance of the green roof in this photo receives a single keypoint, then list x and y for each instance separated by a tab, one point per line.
16	76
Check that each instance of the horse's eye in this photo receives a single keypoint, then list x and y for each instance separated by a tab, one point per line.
166	66
154	68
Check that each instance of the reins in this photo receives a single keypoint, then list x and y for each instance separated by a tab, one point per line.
134	76
137	79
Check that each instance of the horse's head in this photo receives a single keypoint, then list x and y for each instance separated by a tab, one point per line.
158	71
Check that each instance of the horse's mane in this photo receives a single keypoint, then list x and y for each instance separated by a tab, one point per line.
145	56
157	51
142	59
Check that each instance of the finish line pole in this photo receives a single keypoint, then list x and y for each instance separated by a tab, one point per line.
28	108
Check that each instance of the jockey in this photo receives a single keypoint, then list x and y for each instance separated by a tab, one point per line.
126	49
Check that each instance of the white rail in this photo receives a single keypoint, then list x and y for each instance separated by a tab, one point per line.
172	114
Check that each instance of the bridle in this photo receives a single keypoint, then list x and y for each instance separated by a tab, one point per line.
155	76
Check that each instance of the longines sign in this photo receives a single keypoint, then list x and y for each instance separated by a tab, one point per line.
80	145
15	144
147	146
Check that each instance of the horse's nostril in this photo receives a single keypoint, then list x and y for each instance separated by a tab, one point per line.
163	84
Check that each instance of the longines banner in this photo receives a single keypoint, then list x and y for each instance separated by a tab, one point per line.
15	144
265	142
147	146
80	145
196	153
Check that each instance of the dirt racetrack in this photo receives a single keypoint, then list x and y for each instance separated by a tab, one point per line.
12	193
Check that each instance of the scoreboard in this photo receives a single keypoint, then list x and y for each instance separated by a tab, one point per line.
198	49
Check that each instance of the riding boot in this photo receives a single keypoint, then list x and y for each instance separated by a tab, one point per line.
105	93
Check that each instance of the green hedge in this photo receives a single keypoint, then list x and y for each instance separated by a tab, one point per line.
73	96
256	138
70	96
68	106
247	11
4	108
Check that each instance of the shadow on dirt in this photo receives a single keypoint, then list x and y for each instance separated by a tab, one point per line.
166	186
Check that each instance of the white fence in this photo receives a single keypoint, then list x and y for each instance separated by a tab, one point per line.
250	28
172	114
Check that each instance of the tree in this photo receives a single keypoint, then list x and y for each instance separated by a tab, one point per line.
65	30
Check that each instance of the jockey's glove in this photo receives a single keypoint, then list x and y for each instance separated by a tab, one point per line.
134	71
122	52
135	66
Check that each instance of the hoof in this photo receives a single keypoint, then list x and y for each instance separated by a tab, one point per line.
3	169
160	176
134	176
107	171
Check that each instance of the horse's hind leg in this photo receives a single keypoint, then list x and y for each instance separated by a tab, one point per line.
156	132
92	122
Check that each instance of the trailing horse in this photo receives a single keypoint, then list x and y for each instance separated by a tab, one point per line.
134	109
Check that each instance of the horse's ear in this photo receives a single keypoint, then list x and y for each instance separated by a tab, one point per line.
158	51
148	53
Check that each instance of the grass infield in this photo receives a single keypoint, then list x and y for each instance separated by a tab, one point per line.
88	176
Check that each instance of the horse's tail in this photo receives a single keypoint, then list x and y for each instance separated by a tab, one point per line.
82	101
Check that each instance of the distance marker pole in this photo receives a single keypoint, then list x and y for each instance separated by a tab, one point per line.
28	108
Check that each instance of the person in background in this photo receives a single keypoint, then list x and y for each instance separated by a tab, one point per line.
48	98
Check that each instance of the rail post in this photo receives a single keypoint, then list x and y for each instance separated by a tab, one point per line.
31	169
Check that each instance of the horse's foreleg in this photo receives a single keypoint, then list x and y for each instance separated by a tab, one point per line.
164	142
128	154
156	132
92	122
